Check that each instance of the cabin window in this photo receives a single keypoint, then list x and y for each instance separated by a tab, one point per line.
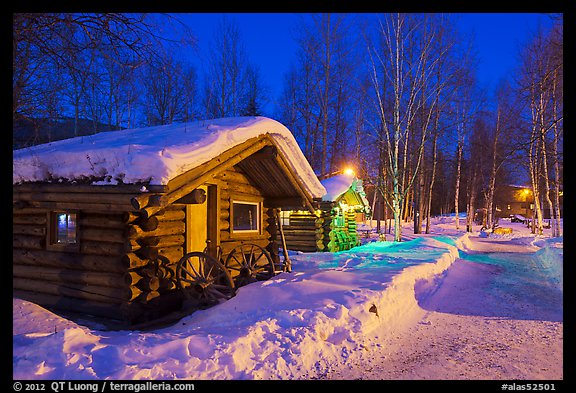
285	217
63	228
245	217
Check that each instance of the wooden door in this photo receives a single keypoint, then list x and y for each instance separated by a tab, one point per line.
201	222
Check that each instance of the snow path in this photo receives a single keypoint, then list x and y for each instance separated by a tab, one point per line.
481	321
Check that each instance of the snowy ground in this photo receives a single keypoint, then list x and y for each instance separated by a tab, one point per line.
439	306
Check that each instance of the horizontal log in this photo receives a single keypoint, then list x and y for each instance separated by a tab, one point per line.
103	248
171	215
79	291
29	242
68	260
303	228
93	197
225	203
243	196
170	241
83	306
229	176
196	197
70	276
297	231
36	219
166	228
224	214
88	206
24	211
306	220
102	221
310	242
234	188
136	244
103	235
307	237
303	215
33	230
87	188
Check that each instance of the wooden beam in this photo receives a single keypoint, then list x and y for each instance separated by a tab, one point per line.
196	197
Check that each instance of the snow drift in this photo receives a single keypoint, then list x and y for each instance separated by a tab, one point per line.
288	327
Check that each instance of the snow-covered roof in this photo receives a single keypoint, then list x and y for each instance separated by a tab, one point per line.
337	185
154	155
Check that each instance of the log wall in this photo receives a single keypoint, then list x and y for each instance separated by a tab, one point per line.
306	232
234	182
93	276
126	260
122	262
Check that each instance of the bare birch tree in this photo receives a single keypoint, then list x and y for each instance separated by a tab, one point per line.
539	78
406	61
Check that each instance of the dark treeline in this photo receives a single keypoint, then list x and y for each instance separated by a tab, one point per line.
394	96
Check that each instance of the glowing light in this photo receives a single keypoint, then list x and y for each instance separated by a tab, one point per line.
349	171
526	191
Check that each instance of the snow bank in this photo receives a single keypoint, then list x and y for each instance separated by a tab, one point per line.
550	261
290	327
153	154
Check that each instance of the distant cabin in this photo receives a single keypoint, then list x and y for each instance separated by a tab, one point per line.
333	226
100	222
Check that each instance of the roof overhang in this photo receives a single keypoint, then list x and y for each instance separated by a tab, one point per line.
262	162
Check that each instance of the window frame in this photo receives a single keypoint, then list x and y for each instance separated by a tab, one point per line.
259	208
285	217
52	232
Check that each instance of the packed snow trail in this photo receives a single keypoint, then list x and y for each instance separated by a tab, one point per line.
490	316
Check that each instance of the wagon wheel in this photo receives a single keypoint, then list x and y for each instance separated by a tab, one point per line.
203	279
251	263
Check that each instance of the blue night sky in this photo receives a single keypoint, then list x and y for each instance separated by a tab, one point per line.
270	44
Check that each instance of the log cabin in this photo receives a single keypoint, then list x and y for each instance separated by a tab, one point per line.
333	225
100	223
